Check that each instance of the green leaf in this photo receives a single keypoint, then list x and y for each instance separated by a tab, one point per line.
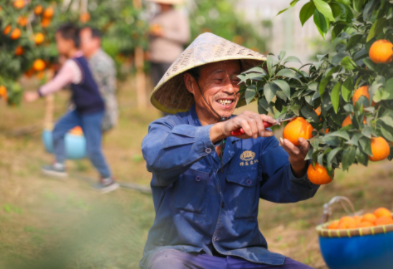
284	87
269	63
348	157
370	64
365	144
250	93
256	69
324	8
338	28
341	11
348	63
335	96
287	73
354	40
282	55
323	84
331	156
292	59
347	88
306	12
345	2
376	28
269	92
339	133
282	11
321	23
361	157
369	8
358	5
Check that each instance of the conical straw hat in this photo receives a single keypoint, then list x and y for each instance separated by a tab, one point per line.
171	95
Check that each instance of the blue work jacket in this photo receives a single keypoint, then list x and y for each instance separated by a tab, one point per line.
200	207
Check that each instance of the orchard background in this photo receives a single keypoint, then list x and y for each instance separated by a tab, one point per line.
45	223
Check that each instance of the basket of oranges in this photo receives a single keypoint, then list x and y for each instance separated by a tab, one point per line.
358	241
75	143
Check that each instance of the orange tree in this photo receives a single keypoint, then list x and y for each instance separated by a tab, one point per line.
26	41
346	96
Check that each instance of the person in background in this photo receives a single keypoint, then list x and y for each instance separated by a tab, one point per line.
169	31
104	72
89	108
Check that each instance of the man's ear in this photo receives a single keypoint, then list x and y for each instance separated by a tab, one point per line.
189	81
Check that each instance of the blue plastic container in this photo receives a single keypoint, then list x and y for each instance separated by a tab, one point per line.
75	145
371	251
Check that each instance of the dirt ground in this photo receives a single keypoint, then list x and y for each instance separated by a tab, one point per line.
50	223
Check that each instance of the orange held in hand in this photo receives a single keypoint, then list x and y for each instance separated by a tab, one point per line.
39	65
379	148
39	38
381	52
382	212
296	129
318	175
362	91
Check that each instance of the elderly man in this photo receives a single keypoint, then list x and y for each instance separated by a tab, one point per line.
206	183
104	72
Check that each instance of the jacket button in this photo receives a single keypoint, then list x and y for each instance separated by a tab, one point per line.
208	150
249	181
198	178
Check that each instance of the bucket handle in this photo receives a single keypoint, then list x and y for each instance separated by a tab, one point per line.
327	208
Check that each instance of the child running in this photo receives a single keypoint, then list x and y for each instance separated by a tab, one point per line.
89	108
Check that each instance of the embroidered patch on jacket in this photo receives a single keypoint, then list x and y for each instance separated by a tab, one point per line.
248	158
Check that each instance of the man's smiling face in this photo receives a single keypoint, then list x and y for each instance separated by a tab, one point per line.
220	87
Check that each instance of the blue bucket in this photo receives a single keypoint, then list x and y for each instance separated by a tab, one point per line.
363	248
75	145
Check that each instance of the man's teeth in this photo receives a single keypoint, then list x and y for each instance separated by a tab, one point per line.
225	102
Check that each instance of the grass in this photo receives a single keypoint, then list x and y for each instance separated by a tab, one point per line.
49	223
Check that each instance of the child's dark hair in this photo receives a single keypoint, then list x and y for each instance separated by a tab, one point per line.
70	31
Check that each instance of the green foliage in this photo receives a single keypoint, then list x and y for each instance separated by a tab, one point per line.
331	82
220	17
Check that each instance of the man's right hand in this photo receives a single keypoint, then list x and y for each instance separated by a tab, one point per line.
252	124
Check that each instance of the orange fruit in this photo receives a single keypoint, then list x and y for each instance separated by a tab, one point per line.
347	121
365	224
19	51
333	225
327	131
22	21
7	30
362	91
39	65
357	218
3	92
45	22
18	4
382	211
84	17
379	148
38	10
76	131
39	38
369	217
296	129
49	12
16	33
318	175
347	223
318	110
384	221
381	52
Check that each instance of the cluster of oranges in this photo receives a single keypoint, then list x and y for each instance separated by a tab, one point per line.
381	52
3	93
381	216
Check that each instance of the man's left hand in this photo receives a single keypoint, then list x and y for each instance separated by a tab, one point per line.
297	155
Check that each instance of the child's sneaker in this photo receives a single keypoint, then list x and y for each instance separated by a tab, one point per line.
106	185
56	170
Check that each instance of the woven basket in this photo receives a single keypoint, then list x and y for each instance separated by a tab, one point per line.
323	231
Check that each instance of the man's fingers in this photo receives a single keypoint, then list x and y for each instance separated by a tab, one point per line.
259	123
289	147
266	133
254	127
268	119
246	127
304	145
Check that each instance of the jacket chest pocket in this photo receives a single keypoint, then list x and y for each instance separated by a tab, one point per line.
190	191
242	192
